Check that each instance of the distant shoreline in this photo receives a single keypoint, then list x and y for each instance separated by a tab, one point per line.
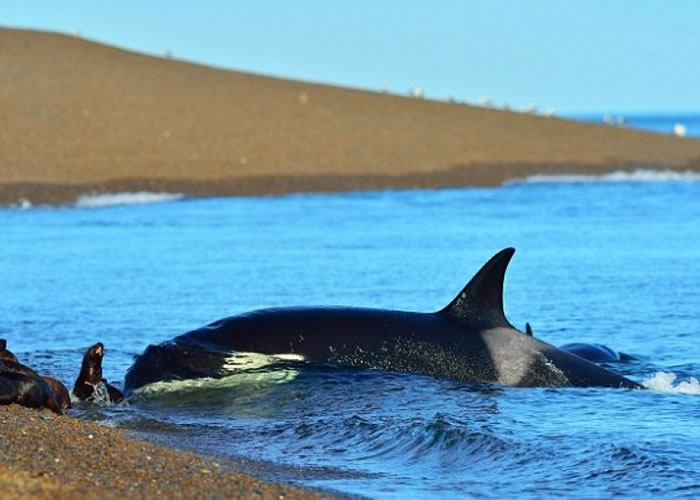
82	117
474	176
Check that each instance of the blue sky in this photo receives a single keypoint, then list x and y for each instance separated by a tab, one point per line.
583	56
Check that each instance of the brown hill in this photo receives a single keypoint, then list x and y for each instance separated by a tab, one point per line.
80	116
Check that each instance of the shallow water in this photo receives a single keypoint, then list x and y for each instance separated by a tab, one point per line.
609	262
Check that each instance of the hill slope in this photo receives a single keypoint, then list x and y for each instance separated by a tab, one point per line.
80	116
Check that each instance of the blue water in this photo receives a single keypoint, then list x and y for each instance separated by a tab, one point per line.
654	122
610	262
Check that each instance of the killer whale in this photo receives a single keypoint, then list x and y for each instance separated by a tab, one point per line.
470	339
598	353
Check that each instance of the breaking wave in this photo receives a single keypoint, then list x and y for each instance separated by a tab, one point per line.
22	204
112	199
664	382
620	176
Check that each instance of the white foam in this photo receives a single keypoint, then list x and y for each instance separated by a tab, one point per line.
23	204
112	199
99	397
635	176
663	382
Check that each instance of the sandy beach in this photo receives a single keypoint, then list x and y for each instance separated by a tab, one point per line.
81	117
49	456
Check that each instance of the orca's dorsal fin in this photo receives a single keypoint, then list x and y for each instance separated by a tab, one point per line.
528	330
481	301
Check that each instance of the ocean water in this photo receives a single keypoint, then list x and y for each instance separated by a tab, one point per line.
664	123
612	260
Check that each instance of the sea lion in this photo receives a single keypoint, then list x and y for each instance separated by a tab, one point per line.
86	385
60	392
4	353
22	385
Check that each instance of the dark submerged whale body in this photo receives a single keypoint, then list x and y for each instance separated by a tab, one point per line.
469	340
598	353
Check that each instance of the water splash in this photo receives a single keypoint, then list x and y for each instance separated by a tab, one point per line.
112	199
663	382
100	396
635	176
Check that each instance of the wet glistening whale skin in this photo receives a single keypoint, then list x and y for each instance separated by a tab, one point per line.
470	340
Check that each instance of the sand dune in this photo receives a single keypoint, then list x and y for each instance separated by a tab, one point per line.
79	116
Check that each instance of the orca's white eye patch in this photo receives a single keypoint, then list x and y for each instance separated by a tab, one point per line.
254	360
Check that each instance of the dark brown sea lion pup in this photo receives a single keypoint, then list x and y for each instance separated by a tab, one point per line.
22	385
91	375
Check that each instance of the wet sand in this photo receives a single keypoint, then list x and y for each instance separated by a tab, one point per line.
82	117
49	456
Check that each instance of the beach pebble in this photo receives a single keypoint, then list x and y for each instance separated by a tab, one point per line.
101	462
